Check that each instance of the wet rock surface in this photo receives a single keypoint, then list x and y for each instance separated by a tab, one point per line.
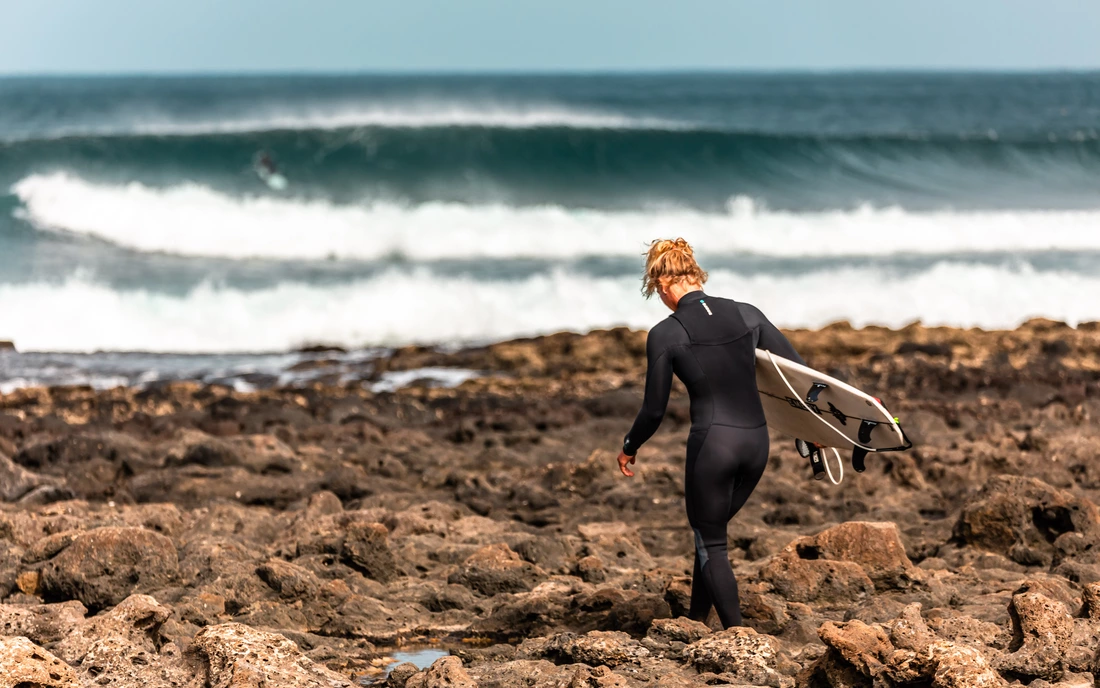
189	535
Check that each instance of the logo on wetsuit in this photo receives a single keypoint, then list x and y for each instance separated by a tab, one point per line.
703	302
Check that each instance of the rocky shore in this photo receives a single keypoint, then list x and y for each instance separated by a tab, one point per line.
189	535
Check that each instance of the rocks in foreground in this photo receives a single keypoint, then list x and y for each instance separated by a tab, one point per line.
196	536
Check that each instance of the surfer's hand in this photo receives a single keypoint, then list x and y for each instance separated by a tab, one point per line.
624	460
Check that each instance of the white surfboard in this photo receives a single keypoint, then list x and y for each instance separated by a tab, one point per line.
809	405
273	179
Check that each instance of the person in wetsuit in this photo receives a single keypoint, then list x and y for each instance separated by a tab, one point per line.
709	343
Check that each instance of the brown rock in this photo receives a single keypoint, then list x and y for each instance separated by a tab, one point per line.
49	546
617	544
596	648
125	645
25	665
401	674
1091	597
1042	628
800	579
865	647
104	566
921	656
366	548
843	563
591	569
495	569
445	672
228	651
680	629
28	582
289	580
44	624
763	612
741	652
10	564
1021	518
16	481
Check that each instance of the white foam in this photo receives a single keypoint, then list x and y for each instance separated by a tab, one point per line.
440	377
195	220
411	115
80	315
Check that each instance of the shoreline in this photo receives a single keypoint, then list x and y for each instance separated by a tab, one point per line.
327	363
489	516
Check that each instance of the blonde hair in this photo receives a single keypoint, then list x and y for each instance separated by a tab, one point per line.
669	261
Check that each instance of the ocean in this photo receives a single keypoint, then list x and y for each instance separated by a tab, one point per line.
460	209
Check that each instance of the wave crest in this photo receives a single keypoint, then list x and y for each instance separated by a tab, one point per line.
86	316
195	220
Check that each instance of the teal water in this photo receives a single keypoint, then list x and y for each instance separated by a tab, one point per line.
459	209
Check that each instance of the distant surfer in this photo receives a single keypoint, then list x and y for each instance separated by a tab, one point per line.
710	344
265	163
268	171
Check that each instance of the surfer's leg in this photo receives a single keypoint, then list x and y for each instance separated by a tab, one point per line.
728	467
752	458
701	602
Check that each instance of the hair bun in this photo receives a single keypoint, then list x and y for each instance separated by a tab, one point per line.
670	260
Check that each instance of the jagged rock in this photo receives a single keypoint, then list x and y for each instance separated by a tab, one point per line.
842	563
103	566
607	648
680	629
495	569
93	465
617	544
289	580
1091	597
234	655
765	613
125	645
366	548
445	672
865	647
45	624
1021	518
401	674
591	569
10	562
1042	628
922	655
800	573
860	654
16	481
25	665
747	656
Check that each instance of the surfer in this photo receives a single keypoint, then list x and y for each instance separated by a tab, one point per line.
709	343
265	164
268	172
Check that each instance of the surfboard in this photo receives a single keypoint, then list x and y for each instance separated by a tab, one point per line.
812	406
273	179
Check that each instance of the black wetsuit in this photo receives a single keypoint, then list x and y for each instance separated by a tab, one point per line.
710	344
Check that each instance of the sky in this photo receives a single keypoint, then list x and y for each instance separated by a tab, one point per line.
199	36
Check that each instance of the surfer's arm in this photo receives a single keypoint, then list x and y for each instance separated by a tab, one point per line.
658	385
768	336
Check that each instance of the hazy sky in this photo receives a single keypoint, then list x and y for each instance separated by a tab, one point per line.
431	35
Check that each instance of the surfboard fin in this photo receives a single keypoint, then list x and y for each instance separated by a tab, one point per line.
865	428
815	390
858	456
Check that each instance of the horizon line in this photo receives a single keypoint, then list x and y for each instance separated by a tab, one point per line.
594	72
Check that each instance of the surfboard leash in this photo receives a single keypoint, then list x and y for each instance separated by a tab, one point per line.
857	446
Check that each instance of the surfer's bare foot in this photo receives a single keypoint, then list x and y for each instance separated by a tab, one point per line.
624	460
